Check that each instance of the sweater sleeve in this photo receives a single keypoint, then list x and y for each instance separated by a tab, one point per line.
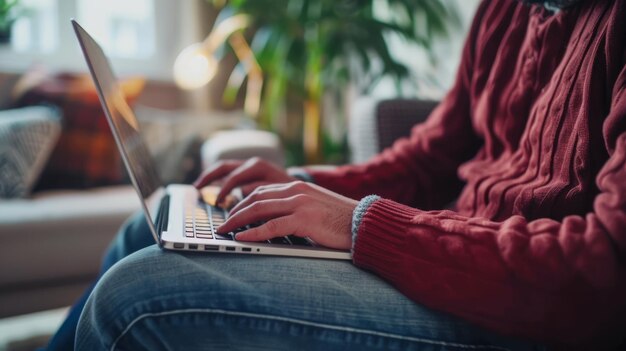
543	279
421	170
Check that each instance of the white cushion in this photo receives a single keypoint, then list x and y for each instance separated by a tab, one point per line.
241	145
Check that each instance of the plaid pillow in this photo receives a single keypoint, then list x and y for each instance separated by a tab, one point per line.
27	137
86	155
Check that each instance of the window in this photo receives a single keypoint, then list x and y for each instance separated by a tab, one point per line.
441	71
36	31
126	29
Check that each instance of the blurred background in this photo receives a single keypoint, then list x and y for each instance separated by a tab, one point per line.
298	82
378	48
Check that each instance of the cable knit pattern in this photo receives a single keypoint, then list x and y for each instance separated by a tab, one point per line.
532	141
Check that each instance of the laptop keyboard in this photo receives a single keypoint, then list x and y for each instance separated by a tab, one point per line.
202	222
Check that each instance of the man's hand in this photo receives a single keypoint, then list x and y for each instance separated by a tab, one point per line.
247	175
298	208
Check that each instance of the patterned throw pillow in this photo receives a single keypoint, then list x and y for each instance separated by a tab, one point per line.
27	137
86	155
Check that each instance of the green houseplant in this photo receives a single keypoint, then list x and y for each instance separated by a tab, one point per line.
309	47
8	14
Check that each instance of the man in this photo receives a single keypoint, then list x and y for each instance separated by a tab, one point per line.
531	139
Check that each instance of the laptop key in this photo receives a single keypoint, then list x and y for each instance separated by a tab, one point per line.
223	237
280	240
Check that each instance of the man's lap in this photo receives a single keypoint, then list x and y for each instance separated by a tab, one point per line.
156	299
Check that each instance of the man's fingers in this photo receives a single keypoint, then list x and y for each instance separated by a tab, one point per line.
248	172
247	189
274	191
281	226
217	171
257	212
265	192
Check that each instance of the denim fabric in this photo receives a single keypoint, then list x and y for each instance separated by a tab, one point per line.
159	300
130	239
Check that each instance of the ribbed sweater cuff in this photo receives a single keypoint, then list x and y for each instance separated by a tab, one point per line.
381	236
359	212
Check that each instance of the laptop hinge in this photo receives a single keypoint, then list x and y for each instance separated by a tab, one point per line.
164	215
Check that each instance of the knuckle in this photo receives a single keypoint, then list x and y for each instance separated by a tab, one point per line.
265	188
255	196
272	226
300	199
298	185
262	188
255	208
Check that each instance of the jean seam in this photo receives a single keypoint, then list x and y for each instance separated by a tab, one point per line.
303	323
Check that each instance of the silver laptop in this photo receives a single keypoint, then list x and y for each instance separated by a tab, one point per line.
177	216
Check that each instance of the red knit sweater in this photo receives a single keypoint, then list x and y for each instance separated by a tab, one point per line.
532	141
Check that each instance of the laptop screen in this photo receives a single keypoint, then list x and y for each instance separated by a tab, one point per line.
124	126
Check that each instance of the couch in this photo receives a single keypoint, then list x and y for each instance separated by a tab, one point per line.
51	242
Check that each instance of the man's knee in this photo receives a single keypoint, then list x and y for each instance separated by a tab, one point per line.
131	278
122	294
133	236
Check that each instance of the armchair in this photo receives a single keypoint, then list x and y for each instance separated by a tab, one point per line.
376	124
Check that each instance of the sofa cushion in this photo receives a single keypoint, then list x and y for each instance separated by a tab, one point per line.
59	235
52	244
27	137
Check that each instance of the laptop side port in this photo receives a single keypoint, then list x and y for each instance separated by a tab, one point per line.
246	249
193	246
211	248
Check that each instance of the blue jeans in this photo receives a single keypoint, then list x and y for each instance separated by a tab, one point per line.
160	300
